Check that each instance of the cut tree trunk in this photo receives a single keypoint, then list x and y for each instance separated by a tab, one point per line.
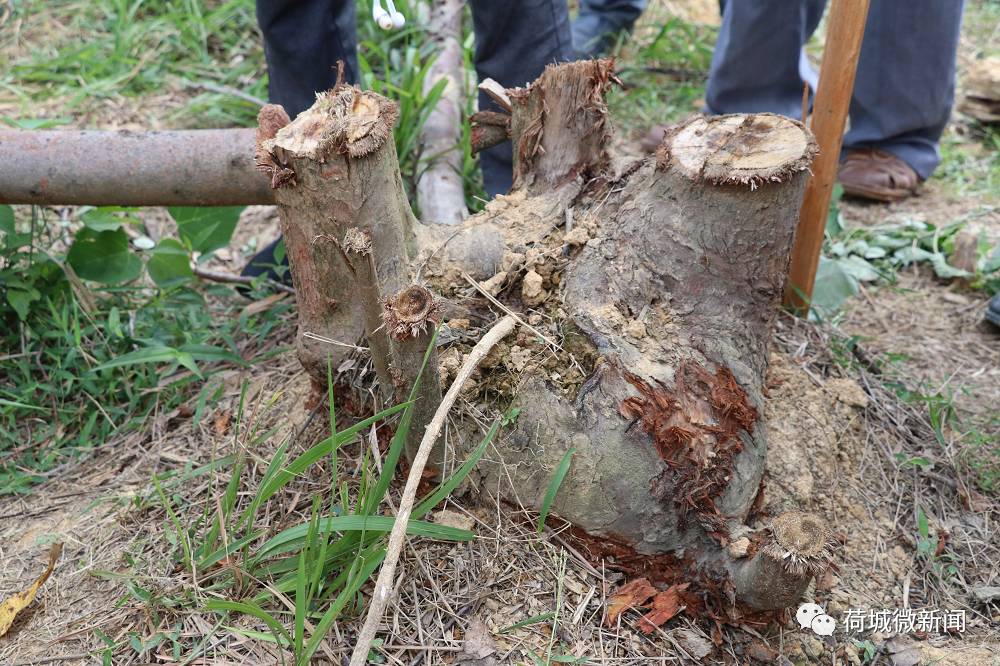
647	289
334	170
440	191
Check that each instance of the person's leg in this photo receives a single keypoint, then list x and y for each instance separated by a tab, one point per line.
758	62
303	40
905	83
515	40
599	23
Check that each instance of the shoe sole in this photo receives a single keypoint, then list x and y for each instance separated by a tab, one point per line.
880	195
993	317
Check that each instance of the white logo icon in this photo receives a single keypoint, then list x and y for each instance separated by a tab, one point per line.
811	616
823	625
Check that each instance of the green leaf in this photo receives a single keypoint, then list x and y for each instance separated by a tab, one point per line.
102	219
211	353
911	255
833	287
858	268
534	619
103	256
993	263
289	539
251	609
206	229
550	494
6	219
154	354
36	123
169	264
944	270
922	525
21	300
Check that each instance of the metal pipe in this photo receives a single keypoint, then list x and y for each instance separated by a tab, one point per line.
126	168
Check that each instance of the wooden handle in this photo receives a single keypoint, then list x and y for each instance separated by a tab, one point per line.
833	98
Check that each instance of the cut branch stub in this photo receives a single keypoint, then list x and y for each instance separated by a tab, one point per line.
410	317
489	128
340	173
798	547
560	126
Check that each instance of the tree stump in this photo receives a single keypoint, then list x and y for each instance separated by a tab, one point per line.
651	287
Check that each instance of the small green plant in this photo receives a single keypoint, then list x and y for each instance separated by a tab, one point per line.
91	345
852	257
866	650
313	570
550	493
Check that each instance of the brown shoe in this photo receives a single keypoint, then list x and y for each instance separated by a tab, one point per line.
874	174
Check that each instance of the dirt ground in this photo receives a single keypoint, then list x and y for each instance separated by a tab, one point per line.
839	436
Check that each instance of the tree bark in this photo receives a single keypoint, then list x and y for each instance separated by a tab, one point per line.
335	169
440	191
658	281
125	168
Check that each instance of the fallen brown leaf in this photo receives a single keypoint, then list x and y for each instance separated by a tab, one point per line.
15	604
478	647
631	595
666	604
761	652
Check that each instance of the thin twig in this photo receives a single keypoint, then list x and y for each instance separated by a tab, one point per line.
219	276
383	584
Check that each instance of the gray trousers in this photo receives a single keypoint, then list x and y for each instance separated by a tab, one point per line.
515	40
599	23
905	82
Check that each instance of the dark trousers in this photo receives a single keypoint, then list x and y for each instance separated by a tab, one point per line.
515	40
905	83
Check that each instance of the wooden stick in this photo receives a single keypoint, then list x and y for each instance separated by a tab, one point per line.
497	93
833	98
383	585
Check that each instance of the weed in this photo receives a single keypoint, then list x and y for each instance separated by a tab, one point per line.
665	75
292	583
89	351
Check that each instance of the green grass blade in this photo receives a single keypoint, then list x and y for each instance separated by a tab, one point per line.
550	493
368	566
455	479
293	537
313	455
252	609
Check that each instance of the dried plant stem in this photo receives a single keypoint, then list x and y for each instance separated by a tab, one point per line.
383	585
